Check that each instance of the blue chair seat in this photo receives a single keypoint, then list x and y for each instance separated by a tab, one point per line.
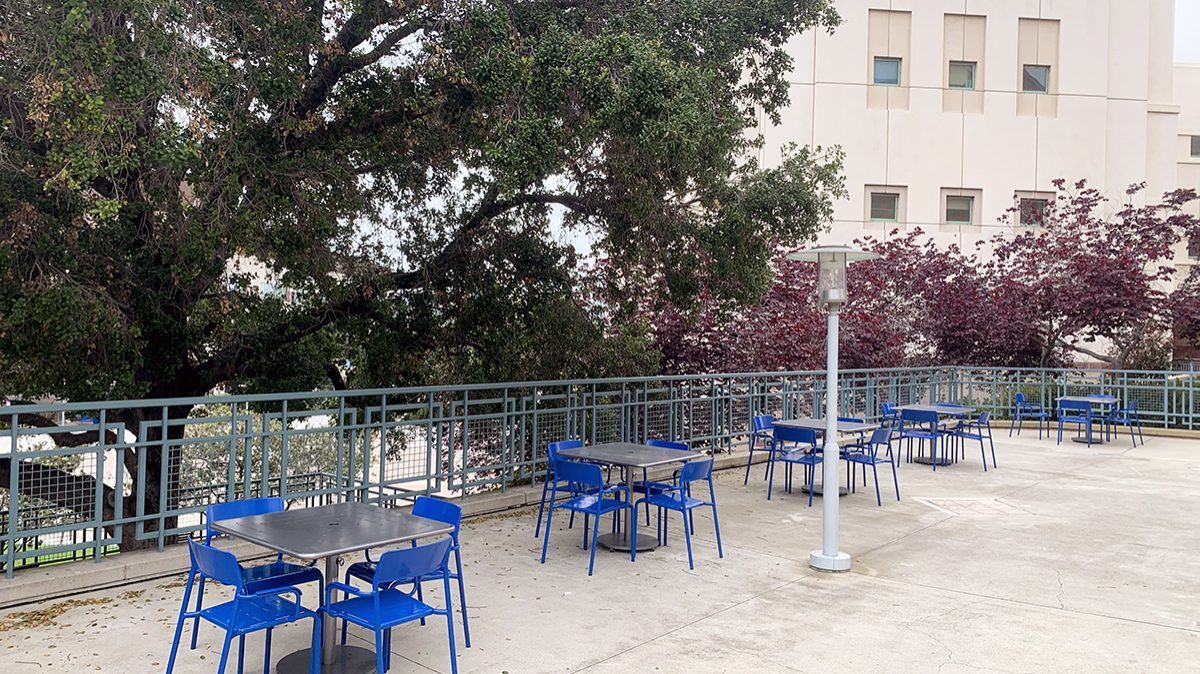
592	504
255	613
395	607
672	501
278	574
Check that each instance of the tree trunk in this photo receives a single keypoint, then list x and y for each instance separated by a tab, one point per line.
160	479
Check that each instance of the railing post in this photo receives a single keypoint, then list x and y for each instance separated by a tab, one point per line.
14	499
102	446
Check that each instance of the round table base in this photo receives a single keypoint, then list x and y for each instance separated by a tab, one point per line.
842	491
349	660
1084	440
620	542
927	461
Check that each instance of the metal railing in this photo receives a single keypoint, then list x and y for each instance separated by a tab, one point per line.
154	465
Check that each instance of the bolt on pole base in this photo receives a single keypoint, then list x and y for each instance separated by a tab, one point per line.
836	563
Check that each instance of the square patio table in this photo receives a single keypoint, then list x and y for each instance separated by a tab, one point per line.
326	532
942	411
628	456
1101	401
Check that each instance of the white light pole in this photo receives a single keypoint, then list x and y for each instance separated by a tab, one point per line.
831	292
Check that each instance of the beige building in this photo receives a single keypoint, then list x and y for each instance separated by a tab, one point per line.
1187	148
953	111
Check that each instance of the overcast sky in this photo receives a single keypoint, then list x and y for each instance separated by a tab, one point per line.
1187	31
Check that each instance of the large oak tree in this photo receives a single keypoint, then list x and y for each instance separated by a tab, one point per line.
399	166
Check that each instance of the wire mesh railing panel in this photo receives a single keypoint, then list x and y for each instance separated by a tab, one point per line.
81	480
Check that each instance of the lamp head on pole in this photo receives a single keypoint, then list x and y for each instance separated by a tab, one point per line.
831	278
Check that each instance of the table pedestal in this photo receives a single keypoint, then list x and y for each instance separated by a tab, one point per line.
346	660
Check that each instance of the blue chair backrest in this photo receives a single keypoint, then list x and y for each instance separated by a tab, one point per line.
243	508
763	422
919	417
554	448
984	417
696	470
888	409
408	563
217	564
1075	406
1020	400
881	436
801	435
439	510
1132	405
669	444
585	474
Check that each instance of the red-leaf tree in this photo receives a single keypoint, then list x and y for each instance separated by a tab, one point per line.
1087	278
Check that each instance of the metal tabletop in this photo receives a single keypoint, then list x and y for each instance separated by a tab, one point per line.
1094	400
327	531
819	425
629	455
945	410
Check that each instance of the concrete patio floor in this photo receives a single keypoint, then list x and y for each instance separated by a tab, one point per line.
1065	558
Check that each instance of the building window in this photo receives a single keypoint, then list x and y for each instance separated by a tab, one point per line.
1035	79
959	209
1193	251
1196	146
885	206
1032	211
887	71
962	75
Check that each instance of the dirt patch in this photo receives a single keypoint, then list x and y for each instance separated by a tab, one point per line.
20	620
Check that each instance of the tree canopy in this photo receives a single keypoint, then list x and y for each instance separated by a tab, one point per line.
400	166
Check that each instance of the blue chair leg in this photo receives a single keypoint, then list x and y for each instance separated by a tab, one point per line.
241	653
225	650
179	623
267	652
199	606
314	659
812	484
749	462
633	531
537	530
717	529
462	596
546	533
875	472
596	532
387	649
770	475
687	535
379	664
895	481
450	620
933	452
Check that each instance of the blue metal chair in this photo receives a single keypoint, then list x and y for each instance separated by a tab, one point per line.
251	609
978	429
275	574
867	454
804	452
592	501
648	488
440	511
387	606
891	418
921	425
859	439
762	425
679	499
1022	410
1078	412
552	458
1127	416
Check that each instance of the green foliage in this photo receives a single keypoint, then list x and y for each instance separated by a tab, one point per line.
403	168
